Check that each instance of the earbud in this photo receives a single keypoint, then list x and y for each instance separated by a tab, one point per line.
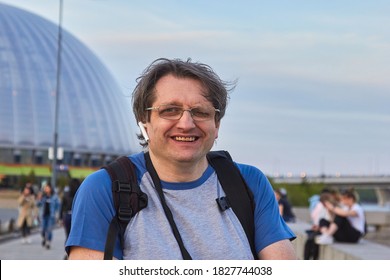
143	131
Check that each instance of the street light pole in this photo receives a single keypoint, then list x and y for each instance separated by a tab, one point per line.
57	99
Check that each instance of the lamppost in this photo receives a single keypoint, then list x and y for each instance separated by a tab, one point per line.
57	99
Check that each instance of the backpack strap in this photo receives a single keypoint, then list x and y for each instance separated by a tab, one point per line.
167	211
128	200
238	194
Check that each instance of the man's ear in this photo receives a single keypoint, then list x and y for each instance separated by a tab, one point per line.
142	127
217	130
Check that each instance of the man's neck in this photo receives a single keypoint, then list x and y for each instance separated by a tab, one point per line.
172	171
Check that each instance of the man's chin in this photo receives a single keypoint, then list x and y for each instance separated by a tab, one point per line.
187	156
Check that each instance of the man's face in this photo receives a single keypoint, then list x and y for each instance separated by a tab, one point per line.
183	140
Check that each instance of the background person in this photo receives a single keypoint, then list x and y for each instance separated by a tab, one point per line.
348	224
285	207
319	213
26	202
49	204
66	204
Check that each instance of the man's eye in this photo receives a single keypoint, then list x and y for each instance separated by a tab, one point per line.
171	110
200	112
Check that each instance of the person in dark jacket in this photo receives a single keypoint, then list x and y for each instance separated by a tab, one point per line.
285	207
66	204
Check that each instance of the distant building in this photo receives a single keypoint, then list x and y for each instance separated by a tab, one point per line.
94	117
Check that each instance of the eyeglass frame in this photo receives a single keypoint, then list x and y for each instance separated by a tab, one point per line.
182	112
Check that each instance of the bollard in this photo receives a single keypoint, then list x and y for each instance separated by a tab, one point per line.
11	225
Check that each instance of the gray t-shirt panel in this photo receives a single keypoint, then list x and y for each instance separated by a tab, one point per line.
207	232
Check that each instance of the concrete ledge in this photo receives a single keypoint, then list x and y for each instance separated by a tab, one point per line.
378	219
8	226
364	250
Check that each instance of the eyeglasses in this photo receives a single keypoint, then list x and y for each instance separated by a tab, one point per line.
173	112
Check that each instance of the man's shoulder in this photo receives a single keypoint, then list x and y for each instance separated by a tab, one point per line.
101	177
249	170
138	159
97	175
95	183
256	180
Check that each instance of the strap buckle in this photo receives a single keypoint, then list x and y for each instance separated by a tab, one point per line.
125	212
223	203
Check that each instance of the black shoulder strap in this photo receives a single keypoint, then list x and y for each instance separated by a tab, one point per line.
128	200
238	195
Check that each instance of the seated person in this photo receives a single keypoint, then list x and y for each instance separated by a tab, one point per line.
348	224
317	213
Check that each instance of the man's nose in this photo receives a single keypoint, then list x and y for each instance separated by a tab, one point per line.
186	118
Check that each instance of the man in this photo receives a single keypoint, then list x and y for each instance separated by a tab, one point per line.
180	105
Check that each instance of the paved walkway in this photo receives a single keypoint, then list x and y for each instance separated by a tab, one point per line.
13	249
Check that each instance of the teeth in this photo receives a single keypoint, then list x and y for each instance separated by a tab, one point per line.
185	139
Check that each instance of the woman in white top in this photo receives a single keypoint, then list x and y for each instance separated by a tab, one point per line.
348	224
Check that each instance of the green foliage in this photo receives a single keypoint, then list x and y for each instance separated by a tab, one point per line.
62	181
23	179
299	194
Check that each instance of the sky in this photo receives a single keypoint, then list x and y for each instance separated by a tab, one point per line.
313	77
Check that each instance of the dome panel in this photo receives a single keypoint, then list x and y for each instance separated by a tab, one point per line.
93	116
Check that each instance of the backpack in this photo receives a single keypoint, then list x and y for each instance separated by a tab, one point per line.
129	199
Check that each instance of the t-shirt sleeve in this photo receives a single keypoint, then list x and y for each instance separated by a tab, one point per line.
269	224
92	212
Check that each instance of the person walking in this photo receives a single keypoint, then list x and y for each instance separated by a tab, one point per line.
26	202
66	204
49	204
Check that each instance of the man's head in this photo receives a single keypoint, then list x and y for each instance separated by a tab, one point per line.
214	89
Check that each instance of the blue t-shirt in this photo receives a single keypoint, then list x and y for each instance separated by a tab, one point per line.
207	232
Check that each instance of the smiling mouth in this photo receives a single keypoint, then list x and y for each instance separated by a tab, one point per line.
185	139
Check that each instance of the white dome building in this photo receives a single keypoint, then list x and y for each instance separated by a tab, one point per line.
95	122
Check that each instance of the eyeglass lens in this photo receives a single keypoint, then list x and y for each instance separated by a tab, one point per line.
171	112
